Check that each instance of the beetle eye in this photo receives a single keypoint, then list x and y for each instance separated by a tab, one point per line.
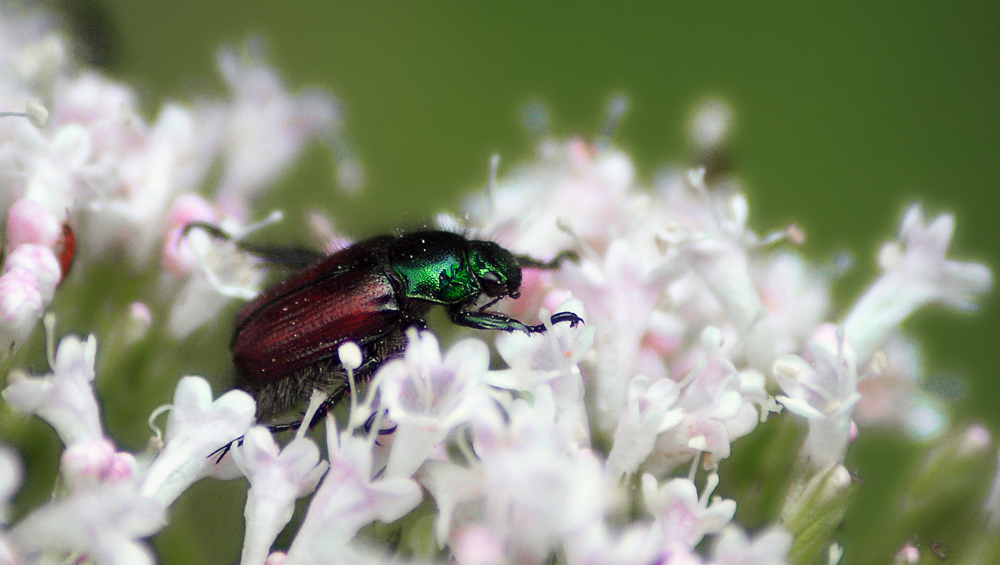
491	283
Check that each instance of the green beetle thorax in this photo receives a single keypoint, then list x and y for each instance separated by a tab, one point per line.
434	267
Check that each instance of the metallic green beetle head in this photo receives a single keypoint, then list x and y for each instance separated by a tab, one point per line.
495	268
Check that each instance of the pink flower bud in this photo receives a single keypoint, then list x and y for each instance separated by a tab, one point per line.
29	222
42	265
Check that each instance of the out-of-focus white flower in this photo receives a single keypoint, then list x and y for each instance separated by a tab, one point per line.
649	413
540	494
601	545
30	222
21	306
682	516
102	524
550	359
909	554
720	257
178	257
89	463
137	322
916	272
224	272
892	396
620	292
277	477
65	399
718	404
796	296
571	180
710	125
197	428
40	262
824	391
428	396
477	545
347	499
11	472
733	547
265	129
528	488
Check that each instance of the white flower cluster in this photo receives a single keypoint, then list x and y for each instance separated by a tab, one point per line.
591	444
86	162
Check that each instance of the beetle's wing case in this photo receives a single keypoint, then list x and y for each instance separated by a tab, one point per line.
301	322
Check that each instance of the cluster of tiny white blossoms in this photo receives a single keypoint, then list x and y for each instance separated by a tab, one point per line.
599	443
87	162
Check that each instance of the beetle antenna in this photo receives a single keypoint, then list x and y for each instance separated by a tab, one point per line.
565	226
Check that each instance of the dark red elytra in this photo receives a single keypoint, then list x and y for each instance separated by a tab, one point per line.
66	250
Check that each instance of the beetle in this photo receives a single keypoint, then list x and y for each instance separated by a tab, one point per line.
285	342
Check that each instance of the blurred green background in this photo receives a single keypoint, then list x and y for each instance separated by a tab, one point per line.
843	116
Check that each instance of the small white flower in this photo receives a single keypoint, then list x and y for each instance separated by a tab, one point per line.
197	427
30	222
550	359
718	404
11	473
41	262
710	125
266	126
65	399
347	499
277	477
427	396
650	412
825	392
733	547
540	493
102	524
21	306
683	517
620	292
916	272
224	272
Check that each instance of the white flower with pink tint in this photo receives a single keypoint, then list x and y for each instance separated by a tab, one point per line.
428	396
823	390
65	398
683	516
197	429
278	476
916	272
649	413
21	306
347	499
265	127
733	547
103	524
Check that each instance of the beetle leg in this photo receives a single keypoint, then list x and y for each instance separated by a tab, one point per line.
497	321
526	262
290	257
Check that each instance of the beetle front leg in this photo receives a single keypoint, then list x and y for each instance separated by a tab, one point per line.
497	321
526	262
